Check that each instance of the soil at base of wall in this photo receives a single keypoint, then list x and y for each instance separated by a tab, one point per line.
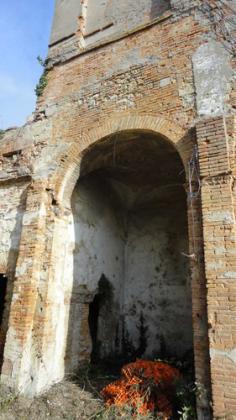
65	400
76	397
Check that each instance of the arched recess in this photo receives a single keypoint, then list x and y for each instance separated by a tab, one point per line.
131	237
68	170
57	290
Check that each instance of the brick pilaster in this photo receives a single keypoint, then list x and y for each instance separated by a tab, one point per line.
199	306
25	291
220	260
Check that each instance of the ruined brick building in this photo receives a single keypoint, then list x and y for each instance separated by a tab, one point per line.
117	197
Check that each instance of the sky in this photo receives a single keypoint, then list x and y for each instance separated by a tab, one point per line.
24	34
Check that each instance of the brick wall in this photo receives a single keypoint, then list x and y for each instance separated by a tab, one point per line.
219	251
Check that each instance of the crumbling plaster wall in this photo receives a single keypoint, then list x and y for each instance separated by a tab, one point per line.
139	253
157	302
99	235
12	199
12	207
213	75
99	250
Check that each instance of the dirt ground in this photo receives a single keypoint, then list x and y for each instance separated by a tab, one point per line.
65	400
74	398
77	397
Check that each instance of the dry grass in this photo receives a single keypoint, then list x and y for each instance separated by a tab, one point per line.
75	398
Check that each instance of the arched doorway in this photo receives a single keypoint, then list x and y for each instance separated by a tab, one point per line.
130	223
61	297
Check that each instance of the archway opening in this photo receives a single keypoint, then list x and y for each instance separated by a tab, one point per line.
131	240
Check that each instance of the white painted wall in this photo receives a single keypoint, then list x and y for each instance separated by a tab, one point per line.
140	255
99	250
99	236
157	281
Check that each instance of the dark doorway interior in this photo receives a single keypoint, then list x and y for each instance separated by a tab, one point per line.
131	235
3	289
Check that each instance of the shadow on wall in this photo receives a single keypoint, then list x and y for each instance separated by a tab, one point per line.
99	308
11	266
97	261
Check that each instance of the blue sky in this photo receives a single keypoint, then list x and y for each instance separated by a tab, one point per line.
24	34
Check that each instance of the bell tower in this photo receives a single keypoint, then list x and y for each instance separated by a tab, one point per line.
65	21
82	24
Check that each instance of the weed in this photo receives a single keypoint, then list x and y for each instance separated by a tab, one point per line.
7	401
43	81
126	412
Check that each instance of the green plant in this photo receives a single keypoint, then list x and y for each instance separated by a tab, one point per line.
7	401
185	399
187	413
43	81
126	412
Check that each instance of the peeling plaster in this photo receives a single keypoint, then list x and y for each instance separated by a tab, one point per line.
212	76
220	353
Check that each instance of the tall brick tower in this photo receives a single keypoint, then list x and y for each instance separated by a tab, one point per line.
117	198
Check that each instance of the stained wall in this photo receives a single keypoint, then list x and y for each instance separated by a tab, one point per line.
140	249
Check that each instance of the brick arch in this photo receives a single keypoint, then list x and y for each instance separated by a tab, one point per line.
68	170
67	174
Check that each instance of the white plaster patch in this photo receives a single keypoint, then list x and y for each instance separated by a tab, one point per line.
220	353
22	269
11	212
214	265
165	82
220	216
212	76
230	275
29	217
